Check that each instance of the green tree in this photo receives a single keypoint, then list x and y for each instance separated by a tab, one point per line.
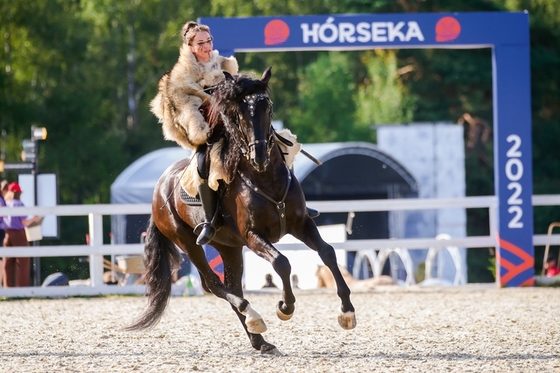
87	69
382	99
545	96
326	106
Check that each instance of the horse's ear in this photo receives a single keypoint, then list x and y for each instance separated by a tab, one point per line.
228	76
267	74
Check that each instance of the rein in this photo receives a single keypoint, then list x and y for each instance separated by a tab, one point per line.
280	205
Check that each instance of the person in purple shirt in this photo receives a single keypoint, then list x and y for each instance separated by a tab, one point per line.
3	190
16	271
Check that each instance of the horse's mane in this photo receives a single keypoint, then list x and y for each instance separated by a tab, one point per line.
231	92
225	104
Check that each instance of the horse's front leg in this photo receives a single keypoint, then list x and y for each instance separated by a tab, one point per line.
253	319
309	234
263	248
233	272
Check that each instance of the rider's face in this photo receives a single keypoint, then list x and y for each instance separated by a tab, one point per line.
201	46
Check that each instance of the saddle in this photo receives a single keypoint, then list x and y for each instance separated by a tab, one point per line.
221	217
188	200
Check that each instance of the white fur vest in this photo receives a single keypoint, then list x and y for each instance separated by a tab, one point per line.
181	93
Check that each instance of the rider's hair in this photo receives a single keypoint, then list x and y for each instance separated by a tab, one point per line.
190	29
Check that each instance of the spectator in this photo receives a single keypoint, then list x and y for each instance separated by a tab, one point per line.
551	266
295	281
268	283
3	190
16	271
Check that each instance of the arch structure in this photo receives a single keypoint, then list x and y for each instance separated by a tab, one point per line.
357	170
506	33
341	175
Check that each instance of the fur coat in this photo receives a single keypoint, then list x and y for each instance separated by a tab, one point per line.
181	94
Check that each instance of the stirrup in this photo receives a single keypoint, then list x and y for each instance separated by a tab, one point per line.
312	213
206	234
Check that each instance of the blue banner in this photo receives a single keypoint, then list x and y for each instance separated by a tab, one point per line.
367	31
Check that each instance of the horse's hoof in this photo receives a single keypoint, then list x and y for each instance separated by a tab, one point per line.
270	350
347	320
255	326
254	322
281	315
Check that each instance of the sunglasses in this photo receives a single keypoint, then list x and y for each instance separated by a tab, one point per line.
200	44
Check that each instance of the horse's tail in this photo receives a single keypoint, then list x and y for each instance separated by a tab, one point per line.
161	256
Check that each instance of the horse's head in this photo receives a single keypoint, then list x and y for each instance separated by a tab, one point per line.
246	110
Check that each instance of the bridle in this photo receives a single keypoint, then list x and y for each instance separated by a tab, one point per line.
244	144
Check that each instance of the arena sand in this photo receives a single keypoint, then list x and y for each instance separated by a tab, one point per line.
400	329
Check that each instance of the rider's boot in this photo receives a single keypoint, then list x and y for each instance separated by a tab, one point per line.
312	213
209	199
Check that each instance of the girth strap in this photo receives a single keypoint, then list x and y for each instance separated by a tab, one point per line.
280	206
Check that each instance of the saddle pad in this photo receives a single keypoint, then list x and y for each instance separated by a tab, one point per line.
188	200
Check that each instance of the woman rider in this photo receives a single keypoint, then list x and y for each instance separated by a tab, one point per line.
179	106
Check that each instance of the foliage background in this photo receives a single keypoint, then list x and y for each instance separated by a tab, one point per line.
86	70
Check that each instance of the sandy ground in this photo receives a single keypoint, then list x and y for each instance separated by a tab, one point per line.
468	329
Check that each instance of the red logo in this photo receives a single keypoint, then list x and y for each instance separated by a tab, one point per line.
447	29
276	32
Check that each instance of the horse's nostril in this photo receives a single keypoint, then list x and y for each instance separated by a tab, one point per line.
260	167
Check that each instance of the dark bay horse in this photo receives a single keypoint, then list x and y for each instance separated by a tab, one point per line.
262	203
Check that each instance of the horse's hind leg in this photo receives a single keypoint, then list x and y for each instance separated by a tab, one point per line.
233	271
311	237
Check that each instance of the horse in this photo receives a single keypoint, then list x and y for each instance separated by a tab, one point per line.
262	202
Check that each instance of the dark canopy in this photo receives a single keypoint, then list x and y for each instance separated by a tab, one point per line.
351	170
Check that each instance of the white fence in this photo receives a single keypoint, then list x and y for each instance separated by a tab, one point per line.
96	249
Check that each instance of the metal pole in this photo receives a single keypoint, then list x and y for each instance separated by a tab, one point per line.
36	260
3	149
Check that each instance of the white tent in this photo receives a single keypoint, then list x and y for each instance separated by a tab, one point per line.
136	183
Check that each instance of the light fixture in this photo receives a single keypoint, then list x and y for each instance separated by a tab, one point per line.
38	133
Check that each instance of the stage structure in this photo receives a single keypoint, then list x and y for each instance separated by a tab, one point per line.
507	34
